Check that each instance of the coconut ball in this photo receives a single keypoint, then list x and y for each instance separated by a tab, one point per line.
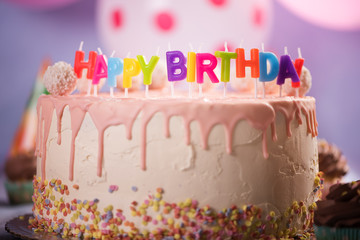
305	84
243	85
60	79
159	76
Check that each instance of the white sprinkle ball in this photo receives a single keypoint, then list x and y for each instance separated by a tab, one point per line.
60	79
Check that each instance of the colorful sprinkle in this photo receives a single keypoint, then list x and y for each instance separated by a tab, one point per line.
183	220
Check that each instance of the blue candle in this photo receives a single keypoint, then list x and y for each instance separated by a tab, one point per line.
265	74
115	68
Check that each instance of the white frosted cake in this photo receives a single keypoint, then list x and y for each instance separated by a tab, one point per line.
176	168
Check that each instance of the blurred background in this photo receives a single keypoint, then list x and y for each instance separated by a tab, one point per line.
328	32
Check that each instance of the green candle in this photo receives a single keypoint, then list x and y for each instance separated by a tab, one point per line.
225	64
148	69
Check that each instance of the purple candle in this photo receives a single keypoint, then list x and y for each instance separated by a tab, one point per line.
287	70
176	62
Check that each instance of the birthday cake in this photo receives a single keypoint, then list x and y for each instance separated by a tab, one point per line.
209	167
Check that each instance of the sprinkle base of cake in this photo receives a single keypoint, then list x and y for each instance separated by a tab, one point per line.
175	167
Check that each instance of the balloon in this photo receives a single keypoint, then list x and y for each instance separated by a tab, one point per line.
334	14
141	26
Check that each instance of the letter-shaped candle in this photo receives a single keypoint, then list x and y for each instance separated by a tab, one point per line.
265	74
298	64
201	67
191	63
225	64
176	61
100	70
131	69
115	68
80	64
148	69
287	70
253	63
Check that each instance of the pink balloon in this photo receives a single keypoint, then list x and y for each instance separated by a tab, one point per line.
43	4
334	14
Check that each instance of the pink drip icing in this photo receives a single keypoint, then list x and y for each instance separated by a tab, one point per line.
260	114
43	131
59	112
77	116
273	132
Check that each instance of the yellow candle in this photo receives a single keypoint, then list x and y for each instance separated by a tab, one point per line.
131	69
191	60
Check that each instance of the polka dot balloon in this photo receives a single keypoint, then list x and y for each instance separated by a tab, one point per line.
141	26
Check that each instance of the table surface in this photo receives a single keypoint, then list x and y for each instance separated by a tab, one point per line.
8	212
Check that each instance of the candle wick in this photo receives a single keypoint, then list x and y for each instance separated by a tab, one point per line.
191	47
158	51
286	51
200	47
226	47
263	47
299	53
81	45
99	51
128	55
113	53
241	42
169	46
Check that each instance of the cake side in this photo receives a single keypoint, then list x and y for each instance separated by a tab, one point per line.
177	165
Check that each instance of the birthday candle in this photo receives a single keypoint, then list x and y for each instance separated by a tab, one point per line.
115	68
253	63
148	69
176	61
80	64
265	74
298	64
287	70
100	70
191	63
131	68
201	67
225	64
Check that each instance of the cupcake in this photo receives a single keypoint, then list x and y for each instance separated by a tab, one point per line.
338	217
332	163
19	171
20	166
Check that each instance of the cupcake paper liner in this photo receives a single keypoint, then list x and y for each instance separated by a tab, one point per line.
19	192
331	233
